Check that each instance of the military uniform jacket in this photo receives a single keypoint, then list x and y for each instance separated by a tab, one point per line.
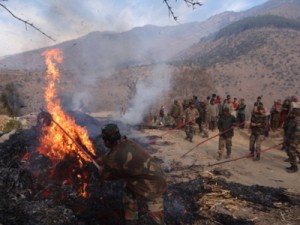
225	123
261	123
176	111
292	129
190	115
129	162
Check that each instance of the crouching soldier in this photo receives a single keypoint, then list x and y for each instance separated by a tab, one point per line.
292	141
144	179
258	124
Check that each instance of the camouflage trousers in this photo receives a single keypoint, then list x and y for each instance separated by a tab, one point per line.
142	211
293	152
255	143
177	121
190	130
225	141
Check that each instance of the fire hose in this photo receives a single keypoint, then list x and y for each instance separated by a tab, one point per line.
247	156
175	128
74	141
218	134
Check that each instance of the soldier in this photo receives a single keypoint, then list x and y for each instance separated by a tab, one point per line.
176	113
190	115
162	116
292	139
200	120
225	126
258	102
258	124
241	113
144	179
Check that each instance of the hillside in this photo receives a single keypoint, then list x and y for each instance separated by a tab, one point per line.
249	58
97	51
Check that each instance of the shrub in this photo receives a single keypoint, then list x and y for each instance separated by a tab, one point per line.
11	99
12	125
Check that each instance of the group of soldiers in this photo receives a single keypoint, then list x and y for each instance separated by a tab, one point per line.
225	116
144	180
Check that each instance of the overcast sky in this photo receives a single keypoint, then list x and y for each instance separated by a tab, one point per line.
68	19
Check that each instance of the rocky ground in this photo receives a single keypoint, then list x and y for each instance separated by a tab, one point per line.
185	161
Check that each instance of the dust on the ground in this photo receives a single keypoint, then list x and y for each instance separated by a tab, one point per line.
269	171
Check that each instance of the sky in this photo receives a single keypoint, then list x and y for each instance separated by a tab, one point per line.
64	20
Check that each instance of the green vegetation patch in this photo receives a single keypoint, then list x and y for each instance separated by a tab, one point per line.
257	22
12	125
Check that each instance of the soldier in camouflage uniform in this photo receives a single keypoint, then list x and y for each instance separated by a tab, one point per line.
258	124
176	113
225	126
144	179
292	134
190	115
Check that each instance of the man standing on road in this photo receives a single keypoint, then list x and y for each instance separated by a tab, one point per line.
225	126
176	113
144	179
190	115
258	124
292	141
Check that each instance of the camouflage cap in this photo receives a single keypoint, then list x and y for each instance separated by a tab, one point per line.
109	130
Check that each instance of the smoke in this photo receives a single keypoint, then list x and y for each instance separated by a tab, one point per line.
148	93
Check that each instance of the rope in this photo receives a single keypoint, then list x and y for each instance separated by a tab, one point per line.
247	156
175	128
218	134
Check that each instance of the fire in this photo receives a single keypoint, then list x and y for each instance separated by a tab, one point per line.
58	139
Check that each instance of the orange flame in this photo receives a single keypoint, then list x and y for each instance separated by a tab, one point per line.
55	143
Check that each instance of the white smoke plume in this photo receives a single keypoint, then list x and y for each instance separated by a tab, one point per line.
149	92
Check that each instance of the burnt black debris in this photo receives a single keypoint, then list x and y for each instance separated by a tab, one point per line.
262	196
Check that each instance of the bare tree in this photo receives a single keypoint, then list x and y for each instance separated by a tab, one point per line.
189	3
25	21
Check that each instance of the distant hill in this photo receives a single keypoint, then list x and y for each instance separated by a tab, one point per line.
254	56
142	45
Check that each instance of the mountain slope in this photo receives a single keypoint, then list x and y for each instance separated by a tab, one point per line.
252	60
142	45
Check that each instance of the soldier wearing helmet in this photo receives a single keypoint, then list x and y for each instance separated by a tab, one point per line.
144	179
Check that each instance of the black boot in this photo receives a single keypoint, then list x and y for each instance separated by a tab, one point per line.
251	154
257	158
292	169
